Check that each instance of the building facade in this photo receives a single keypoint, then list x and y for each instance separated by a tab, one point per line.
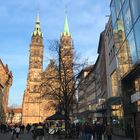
37	106
31	101
14	115
114	103
86	94
101	80
6	79
125	16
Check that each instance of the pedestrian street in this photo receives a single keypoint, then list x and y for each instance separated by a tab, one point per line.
8	136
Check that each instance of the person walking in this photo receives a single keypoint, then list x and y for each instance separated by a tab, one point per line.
39	132
108	131
88	131
17	130
28	127
99	131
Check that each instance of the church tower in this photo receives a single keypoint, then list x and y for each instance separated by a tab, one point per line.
31	101
66	51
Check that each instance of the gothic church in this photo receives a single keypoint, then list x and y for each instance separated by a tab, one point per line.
34	108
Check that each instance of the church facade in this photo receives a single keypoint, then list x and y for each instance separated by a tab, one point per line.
35	107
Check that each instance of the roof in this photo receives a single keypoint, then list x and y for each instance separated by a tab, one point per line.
6	68
87	69
15	110
101	40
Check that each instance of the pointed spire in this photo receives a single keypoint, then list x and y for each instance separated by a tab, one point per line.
66	26
38	18
37	29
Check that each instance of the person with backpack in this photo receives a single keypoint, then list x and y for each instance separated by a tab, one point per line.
39	132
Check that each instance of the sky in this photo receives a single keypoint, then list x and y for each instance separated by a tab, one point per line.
87	19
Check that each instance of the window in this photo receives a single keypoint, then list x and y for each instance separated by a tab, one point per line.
137	36
135	9
113	12
114	84
127	17
137	84
122	1
120	25
118	6
123	59
132	47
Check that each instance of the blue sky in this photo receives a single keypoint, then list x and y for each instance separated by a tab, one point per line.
87	18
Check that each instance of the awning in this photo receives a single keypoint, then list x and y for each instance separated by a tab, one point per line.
56	116
87	112
102	110
114	100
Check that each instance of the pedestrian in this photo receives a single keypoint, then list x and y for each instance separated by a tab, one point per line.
99	131
93	131
88	131
17	130
108	131
28	127
39	132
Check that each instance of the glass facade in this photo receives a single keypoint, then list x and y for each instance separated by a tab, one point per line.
137	36
126	28
114	84
125	16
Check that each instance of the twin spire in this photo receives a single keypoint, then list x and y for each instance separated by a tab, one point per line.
37	29
66	27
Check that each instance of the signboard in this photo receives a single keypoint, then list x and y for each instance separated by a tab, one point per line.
135	97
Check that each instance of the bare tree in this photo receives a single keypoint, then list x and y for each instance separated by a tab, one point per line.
61	81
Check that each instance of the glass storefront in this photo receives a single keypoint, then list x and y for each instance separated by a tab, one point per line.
125	16
117	119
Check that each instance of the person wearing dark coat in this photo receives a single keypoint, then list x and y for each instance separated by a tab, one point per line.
108	131
99	131
88	131
39	132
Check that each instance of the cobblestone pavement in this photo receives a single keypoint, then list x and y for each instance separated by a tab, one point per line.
8	136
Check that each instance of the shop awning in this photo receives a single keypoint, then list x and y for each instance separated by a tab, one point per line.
102	110
114	100
56	116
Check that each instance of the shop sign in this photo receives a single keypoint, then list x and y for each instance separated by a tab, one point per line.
135	97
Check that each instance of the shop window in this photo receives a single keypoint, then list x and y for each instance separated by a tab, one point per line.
114	84
137	85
